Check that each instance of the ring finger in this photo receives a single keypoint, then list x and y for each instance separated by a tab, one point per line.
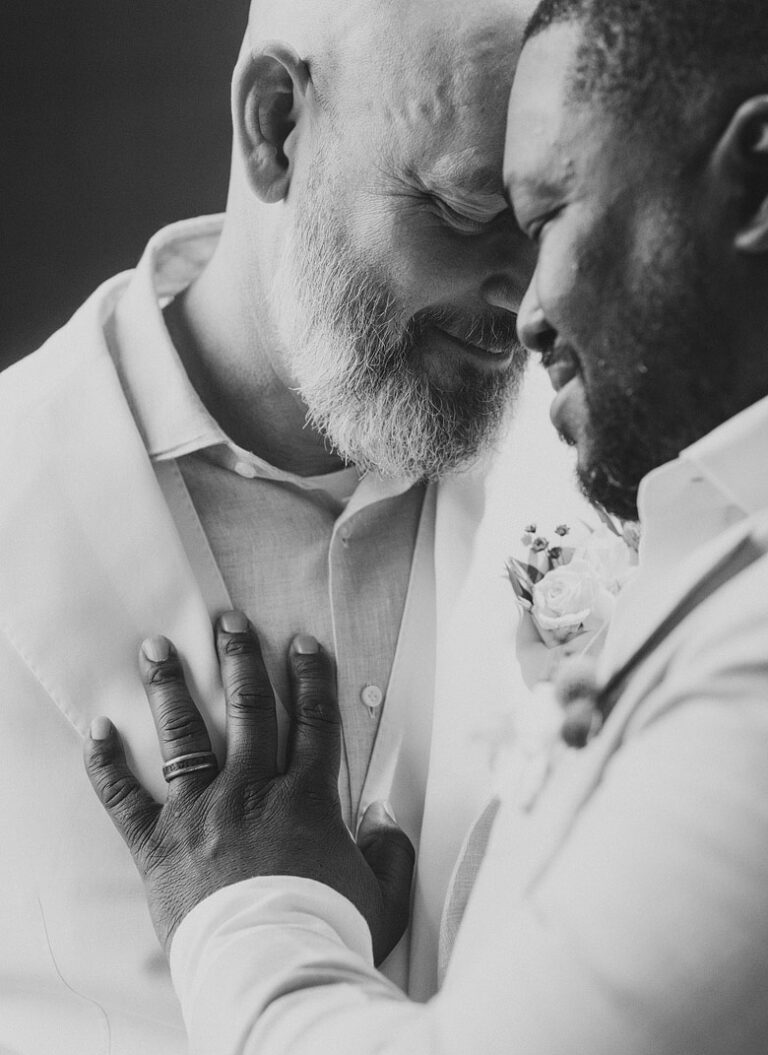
185	745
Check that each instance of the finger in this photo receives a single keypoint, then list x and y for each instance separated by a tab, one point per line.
391	857
132	809
251	718
184	740
314	749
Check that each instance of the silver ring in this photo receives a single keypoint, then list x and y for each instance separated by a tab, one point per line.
179	767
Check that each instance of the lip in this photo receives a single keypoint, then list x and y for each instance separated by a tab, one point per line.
561	364
565	377
476	351
559	413
562	372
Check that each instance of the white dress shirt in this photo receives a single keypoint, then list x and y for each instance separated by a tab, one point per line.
330	555
626	909
684	506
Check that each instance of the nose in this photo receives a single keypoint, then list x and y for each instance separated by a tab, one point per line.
501	291
533	327
509	259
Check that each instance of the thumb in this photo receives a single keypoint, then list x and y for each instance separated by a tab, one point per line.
390	856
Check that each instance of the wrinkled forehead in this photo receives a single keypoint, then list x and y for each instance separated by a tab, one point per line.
429	88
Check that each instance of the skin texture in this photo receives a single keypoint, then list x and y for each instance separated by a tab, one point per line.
647	301
373	133
218	828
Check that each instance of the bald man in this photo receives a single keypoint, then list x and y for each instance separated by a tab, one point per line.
267	415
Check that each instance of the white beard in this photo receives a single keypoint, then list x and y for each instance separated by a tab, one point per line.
355	362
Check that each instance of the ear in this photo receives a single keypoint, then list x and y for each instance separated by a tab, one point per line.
741	158
269	90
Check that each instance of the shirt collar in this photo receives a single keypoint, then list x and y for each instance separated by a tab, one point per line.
732	456
169	413
713	484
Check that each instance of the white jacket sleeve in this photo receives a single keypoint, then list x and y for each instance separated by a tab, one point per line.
646	931
282	964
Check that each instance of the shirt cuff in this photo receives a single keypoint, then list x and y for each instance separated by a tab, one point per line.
267	901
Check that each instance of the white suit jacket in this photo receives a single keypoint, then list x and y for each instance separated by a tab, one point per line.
625	910
90	563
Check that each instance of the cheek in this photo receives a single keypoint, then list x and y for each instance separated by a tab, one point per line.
393	250
560	283
415	253
575	282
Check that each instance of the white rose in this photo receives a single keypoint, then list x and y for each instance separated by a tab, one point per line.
569	600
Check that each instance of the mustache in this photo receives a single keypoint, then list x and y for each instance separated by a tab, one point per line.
496	332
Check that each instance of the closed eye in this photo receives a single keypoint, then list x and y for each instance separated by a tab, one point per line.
469	221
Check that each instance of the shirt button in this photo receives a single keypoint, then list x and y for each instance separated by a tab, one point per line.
246	469
372	696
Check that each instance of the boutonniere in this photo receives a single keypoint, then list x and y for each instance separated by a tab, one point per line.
569	578
566	581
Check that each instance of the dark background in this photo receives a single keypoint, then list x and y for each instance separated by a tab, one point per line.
114	120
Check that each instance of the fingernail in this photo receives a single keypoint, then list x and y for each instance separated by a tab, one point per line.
387	807
306	645
100	728
156	649
380	812
234	622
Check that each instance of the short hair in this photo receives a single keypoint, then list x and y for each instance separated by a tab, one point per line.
677	69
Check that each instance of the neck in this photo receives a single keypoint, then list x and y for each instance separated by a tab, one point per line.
222	331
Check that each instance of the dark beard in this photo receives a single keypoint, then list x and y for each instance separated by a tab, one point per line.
669	386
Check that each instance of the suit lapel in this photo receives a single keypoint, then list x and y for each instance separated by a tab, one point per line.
92	561
529	837
738	558
456	784
641	611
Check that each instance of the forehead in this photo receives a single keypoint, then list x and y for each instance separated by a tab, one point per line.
544	129
432	102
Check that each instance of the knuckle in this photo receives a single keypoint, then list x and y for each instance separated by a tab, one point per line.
167	672
179	723
256	799
115	791
98	754
313	793
241	645
157	849
244	703
311	666
319	801
218	826
316	706
247	680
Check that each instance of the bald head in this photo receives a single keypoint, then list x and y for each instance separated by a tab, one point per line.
374	132
419	85
341	27
363	47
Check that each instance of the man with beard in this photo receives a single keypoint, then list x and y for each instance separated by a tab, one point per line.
257	418
622	905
